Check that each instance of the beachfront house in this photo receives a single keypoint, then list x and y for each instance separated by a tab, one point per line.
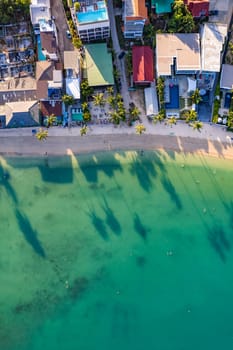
72	83
49	89
19	114
91	20
213	38
178	62
143	65
135	16
98	65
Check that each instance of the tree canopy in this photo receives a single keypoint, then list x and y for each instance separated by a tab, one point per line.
12	10
182	20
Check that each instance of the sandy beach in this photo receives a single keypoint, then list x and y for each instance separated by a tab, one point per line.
213	140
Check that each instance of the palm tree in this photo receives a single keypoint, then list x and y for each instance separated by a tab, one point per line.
83	130
197	125
134	112
50	120
68	100
85	106
42	135
86	90
112	101
140	129
86	116
190	116
230	120
110	90
171	121
159	117
99	100
115	117
196	97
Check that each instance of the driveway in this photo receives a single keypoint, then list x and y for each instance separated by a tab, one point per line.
64	44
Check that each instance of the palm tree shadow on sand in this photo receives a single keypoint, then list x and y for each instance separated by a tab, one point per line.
139	227
111	219
29	233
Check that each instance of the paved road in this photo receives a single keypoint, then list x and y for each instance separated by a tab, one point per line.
64	44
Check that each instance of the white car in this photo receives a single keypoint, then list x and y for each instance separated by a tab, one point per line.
68	34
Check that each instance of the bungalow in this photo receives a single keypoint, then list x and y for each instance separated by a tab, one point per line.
134	17
143	65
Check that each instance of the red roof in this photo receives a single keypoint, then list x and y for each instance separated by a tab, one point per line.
198	8
51	107
143	64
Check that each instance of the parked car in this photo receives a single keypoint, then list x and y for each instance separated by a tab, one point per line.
121	55
68	34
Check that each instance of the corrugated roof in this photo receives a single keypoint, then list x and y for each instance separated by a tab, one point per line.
151	101
185	48
212	39
71	60
143	64
98	65
226	81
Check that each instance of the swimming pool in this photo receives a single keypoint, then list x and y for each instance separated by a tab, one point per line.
174	98
92	16
227	101
162	6
41	56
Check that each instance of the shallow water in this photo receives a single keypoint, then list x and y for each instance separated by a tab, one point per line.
117	250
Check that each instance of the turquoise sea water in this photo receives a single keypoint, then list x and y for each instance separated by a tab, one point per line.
116	251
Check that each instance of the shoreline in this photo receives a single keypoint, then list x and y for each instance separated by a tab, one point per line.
28	146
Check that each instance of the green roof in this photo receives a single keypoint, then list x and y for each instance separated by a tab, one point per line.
98	65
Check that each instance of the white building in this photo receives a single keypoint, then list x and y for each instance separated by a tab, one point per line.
134	17
213	38
39	10
72	68
92	21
